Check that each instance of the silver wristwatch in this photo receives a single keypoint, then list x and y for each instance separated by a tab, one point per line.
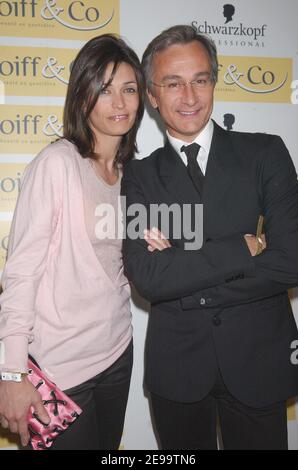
12	376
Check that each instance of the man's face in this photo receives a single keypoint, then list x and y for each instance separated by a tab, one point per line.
186	110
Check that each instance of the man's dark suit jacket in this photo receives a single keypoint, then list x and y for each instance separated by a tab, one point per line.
218	305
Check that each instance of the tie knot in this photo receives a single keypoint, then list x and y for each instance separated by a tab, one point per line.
191	151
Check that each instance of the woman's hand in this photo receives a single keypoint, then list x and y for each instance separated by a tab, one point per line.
15	402
156	240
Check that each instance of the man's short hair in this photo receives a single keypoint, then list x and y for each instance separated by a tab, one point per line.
179	34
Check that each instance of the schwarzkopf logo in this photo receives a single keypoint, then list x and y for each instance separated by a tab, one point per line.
228	121
240	30
228	12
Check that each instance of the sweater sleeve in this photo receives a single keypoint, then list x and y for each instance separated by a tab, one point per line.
32	227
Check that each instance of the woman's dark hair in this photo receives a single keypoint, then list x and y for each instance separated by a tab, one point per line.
85	84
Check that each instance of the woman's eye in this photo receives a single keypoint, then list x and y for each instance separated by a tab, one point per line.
104	91
130	90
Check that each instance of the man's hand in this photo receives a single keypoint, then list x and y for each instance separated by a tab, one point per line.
254	244
156	240
15	402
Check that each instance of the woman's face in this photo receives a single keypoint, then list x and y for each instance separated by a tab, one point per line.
115	111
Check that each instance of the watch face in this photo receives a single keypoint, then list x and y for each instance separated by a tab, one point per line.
11	376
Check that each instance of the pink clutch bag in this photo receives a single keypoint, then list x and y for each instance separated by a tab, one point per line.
62	410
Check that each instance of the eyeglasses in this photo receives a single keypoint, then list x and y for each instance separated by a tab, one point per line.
177	86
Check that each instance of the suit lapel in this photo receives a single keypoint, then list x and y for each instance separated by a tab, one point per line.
222	169
220	174
175	178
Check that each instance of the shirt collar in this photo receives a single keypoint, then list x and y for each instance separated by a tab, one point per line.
203	139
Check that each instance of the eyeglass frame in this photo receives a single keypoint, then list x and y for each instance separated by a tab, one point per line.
183	83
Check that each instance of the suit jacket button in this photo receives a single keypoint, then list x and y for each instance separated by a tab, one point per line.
202	301
208	301
216	320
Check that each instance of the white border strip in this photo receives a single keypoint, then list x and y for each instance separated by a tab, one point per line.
41	42
16	158
35	100
6	216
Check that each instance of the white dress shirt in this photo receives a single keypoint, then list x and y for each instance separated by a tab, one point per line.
203	139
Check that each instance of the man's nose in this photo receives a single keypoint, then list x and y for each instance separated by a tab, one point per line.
189	94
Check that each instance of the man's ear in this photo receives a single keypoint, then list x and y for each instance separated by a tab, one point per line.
152	99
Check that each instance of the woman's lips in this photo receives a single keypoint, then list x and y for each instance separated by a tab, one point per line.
119	117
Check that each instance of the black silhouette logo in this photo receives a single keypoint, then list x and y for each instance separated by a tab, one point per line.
228	12
229	120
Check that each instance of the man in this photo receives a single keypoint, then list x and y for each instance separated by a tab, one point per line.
221	326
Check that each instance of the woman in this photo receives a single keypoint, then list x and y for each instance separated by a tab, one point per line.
65	298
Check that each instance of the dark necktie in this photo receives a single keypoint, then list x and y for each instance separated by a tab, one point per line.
193	168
